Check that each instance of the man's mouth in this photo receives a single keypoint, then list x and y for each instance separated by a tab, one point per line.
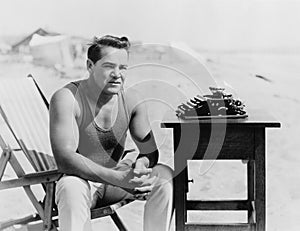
114	82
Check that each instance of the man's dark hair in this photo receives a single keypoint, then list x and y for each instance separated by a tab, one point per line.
94	51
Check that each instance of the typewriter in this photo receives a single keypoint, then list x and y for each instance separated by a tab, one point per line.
217	105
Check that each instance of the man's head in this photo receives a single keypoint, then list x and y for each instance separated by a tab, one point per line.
95	50
107	62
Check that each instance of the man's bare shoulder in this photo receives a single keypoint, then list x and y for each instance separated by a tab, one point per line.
63	95
64	100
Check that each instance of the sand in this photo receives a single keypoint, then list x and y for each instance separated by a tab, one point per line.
237	72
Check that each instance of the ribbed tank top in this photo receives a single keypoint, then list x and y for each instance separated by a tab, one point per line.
103	146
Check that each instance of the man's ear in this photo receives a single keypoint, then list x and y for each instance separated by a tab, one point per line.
89	65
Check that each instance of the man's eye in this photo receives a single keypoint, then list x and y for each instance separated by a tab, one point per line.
108	66
123	67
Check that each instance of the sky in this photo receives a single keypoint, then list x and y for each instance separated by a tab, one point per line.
210	24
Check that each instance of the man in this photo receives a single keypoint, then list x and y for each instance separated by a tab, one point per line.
88	124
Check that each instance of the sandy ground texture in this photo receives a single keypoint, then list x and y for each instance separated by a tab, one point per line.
173	81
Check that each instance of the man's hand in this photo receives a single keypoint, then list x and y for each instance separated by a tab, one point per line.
141	166
134	178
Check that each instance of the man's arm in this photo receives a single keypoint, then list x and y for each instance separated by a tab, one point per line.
64	138
142	135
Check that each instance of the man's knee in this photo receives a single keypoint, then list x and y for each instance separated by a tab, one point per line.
164	183
72	190
163	172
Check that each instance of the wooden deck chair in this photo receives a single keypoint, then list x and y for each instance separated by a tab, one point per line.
22	108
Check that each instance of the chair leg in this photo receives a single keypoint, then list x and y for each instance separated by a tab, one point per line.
48	225
117	220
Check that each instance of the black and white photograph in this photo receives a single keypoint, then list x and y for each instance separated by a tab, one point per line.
157	115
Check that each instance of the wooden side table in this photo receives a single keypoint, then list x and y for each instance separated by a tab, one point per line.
221	139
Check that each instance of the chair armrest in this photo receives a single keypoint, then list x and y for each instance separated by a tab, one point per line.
31	179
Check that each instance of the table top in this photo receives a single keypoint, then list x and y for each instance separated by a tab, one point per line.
256	118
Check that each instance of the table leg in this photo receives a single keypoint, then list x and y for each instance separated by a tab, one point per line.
179	200
260	179
250	187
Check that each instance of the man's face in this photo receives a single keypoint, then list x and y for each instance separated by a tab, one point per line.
109	71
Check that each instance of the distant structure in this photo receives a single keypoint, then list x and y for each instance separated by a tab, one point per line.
4	48
52	49
23	45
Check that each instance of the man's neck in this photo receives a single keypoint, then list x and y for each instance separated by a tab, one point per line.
96	94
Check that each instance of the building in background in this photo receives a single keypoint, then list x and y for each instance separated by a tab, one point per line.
23	45
52	49
4	48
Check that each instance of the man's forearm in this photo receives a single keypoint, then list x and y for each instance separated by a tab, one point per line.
151	158
76	164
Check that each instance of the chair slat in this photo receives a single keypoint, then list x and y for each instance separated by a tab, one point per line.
35	162
41	164
39	160
45	160
30	157
52	162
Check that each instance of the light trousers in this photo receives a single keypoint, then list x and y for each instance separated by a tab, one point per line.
76	196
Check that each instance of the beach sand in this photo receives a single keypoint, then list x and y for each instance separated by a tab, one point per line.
237	73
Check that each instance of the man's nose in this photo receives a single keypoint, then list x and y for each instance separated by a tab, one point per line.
116	73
